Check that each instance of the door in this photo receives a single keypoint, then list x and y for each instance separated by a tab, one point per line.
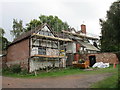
92	60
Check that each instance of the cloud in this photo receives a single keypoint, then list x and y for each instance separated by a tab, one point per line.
72	11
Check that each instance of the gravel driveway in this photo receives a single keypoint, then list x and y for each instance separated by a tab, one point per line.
70	81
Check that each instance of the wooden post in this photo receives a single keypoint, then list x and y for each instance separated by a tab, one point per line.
35	73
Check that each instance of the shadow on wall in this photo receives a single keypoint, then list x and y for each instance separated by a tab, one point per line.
118	55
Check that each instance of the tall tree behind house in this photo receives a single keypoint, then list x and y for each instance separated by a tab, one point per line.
110	40
17	28
53	21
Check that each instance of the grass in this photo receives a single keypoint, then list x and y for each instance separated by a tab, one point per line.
109	82
61	72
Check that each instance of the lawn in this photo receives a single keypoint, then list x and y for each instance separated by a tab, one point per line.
61	72
109	82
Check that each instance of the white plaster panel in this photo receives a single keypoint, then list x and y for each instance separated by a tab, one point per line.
71	47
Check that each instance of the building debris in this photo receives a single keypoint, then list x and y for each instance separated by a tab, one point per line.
100	65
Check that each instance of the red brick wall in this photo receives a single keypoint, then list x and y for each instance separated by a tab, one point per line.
18	53
105	57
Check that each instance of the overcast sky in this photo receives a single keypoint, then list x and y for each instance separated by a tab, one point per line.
74	12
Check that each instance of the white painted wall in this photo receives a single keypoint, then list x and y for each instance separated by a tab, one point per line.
45	28
52	51
36	64
71	48
34	51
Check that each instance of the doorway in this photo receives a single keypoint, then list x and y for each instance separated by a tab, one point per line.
92	60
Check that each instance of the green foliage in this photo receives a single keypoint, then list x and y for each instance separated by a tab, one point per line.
15	68
62	72
2	32
53	21
17	28
110	40
33	23
110	82
3	41
24	72
6	70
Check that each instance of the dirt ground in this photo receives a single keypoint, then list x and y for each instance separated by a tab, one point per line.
70	81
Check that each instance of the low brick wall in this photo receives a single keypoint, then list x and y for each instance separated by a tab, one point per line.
105	57
102	57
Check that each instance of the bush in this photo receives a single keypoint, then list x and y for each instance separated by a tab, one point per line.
24	72
16	68
6	69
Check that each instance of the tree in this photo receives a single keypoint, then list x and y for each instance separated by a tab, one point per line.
17	28
2	32
53	21
3	41
110	40
33	23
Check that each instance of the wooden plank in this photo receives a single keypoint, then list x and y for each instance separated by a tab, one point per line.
50	37
83	36
48	56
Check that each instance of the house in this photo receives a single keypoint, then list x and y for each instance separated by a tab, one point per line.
82	48
37	49
43	48
80	45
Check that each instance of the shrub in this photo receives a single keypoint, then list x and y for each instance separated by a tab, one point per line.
6	69
24	72
16	68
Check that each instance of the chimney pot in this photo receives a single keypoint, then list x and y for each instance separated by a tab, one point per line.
83	28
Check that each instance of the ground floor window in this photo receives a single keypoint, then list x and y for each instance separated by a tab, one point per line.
42	51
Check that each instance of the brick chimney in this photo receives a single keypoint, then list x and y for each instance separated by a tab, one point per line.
83	28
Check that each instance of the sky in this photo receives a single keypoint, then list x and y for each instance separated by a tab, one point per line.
74	12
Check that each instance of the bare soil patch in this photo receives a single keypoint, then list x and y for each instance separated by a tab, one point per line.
70	81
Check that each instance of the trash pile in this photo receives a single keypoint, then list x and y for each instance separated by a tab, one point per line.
101	65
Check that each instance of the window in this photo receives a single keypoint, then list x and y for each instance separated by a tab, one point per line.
41	51
49	34
45	33
41	32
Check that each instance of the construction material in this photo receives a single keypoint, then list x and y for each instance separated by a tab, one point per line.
79	35
101	65
51	37
48	56
81	65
